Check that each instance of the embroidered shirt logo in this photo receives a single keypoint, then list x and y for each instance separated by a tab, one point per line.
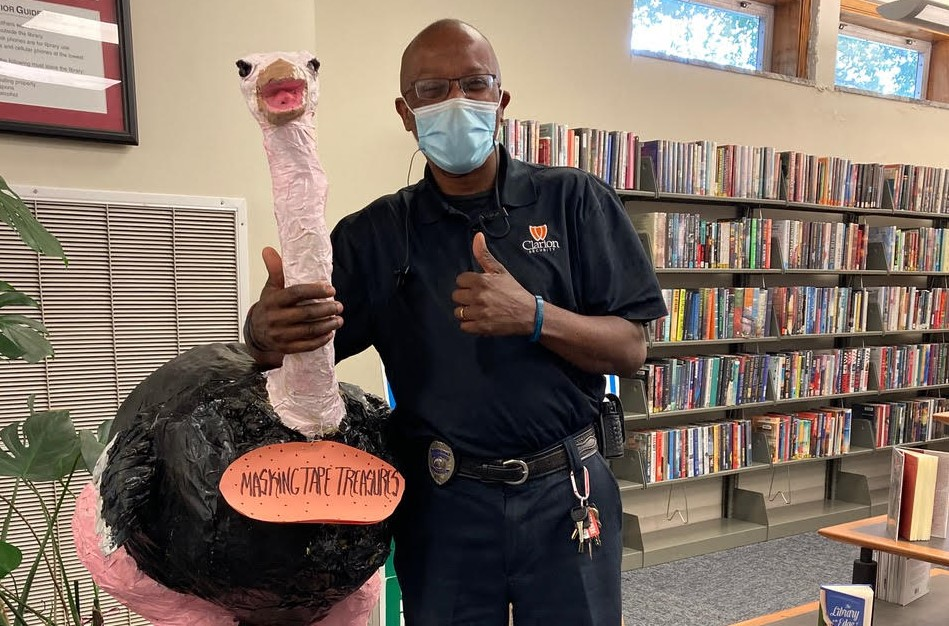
540	242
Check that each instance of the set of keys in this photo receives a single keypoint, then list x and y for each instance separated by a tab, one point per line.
585	516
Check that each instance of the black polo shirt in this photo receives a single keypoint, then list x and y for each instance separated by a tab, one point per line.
566	237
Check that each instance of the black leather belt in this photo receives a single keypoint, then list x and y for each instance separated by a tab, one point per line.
518	471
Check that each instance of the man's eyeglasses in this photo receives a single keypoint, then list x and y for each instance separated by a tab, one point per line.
476	86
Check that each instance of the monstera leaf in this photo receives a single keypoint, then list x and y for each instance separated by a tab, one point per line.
93	443
18	216
44	447
10	558
21	337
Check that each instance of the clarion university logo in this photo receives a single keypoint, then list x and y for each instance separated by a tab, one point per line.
539	243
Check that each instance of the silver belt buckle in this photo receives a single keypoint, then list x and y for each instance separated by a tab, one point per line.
441	462
517	463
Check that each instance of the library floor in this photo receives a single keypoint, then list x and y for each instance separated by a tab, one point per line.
726	587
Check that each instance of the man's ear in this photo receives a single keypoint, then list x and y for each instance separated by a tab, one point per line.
505	98
408	119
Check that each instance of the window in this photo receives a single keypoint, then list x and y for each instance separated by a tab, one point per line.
891	65
731	33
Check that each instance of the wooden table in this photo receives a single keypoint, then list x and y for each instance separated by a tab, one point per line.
870	534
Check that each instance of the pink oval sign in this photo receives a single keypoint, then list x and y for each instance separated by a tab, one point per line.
314	481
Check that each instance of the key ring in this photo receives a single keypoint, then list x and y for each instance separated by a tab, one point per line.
586	486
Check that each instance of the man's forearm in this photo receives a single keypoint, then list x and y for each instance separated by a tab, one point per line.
599	345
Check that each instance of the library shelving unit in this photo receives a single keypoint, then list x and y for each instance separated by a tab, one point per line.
767	496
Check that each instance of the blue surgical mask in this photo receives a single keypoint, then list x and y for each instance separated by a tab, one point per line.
457	135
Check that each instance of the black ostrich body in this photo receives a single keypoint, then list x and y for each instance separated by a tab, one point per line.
174	436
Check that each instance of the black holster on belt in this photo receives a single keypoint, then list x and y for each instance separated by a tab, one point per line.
610	427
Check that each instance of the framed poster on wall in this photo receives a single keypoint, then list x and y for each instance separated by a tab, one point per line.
66	69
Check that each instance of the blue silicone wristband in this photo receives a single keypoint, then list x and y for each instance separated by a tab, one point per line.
538	319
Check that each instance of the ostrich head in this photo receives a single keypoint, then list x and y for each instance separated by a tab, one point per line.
279	87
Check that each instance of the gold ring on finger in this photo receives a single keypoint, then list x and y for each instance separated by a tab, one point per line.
461	313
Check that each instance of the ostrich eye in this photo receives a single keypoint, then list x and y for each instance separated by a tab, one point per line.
313	64
244	68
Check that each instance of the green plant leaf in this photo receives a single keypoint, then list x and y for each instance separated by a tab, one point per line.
9	350
24	321
10	558
23	338
13	297
93	443
44	447
19	217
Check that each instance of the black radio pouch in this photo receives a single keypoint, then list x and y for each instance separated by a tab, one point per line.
610	427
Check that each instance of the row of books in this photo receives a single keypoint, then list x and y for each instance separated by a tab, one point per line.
704	381
689	240
706	168
614	156
917	187
705	448
692	450
692	382
714	313
911	365
821	245
907	421
816	373
806	310
710	313
814	433
913	249
911	308
832	180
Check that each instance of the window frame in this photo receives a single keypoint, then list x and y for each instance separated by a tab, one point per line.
762	10
923	47
864	13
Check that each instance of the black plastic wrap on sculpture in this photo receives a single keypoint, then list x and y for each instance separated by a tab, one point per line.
174	436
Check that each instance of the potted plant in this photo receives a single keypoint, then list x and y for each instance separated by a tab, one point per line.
45	447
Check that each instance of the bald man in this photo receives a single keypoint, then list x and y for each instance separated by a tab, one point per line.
497	294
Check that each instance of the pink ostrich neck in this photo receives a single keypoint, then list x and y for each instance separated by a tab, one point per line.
304	391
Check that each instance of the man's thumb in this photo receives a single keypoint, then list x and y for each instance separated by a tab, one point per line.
274	266
485	259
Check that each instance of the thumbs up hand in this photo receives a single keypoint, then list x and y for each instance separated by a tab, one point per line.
492	302
489	265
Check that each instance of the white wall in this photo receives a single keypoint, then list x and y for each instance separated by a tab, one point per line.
561	60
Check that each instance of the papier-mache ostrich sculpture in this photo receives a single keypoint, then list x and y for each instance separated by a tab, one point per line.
153	527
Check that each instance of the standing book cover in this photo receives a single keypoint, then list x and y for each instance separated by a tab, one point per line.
845	605
914	485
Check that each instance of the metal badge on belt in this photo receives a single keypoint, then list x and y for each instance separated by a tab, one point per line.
441	462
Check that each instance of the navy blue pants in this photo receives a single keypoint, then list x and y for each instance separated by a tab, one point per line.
466	550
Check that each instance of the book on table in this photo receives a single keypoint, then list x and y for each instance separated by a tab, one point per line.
900	580
845	605
919	494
